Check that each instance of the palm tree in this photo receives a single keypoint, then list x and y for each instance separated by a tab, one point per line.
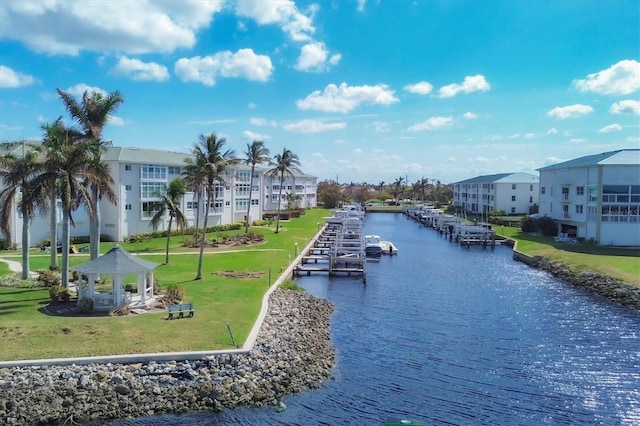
17	174
193	178
255	154
285	164
209	163
396	187
69	163
91	115
170	203
56	137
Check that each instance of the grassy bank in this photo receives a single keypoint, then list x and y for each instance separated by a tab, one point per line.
27	332
619	263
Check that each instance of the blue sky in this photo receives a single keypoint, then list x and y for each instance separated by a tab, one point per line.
360	90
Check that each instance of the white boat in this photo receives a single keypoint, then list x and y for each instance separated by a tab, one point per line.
372	245
388	247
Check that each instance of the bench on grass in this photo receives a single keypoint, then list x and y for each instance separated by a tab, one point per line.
180	309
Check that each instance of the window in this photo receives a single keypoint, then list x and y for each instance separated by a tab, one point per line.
579	208
127	167
513	198
513	186
149	171
127	207
565	193
127	187
579	190
242	203
255	202
242	190
227	203
149	209
531	199
174	170
148	189
192	205
513	209
531	187
542	190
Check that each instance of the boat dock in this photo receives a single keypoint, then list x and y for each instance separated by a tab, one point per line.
339	249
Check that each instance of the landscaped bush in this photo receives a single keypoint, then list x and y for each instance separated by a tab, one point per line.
50	278
85	305
544	225
58	293
16	281
131	288
261	222
174	293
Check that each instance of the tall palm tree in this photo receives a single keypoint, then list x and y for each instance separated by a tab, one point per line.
70	164
169	203
17	174
285	164
396	187
210	161
91	115
56	135
255	154
193	177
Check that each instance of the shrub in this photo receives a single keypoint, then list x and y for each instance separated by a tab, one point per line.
50	278
260	222
131	288
16	281
174	293
58	293
291	285
85	305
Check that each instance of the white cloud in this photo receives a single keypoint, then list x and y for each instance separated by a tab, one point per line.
247	134
256	121
570	111
577	140
475	83
432	123
531	135
116	121
619	79
421	88
315	57
380	126
610	128
252	105
296	24
552	131
361	4
313	126
628	106
140	71
345	98
79	89
514	136
132	27
242	64
11	79
358	151
469	116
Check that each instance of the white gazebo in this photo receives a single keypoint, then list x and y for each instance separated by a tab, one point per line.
117	264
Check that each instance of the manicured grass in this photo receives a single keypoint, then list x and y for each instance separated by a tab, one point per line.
27	332
620	263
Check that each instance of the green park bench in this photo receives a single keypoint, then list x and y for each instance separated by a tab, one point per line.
180	309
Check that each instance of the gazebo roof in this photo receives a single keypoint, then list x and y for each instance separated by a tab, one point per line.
116	262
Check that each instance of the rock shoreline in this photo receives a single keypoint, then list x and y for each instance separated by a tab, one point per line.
612	289
292	352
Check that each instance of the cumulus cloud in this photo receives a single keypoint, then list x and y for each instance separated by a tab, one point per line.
619	79
346	98
79	89
12	79
315	57
628	106
570	111
313	126
469	116
137	70
132	27
432	123
421	88
296	24
475	83
248	134
257	121
610	128
552	131
242	64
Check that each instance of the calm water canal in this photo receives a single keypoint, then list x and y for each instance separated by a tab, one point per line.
448	335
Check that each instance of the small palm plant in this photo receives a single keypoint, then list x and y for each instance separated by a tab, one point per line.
169	204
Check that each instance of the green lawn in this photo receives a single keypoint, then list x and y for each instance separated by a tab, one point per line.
28	333
620	263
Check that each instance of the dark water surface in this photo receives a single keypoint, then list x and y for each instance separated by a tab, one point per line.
447	335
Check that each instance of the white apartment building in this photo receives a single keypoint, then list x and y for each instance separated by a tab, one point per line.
515	193
138	173
596	197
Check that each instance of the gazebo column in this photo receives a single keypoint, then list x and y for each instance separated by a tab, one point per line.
151	279
142	290
117	290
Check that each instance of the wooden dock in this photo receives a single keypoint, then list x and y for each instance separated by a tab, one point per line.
338	250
